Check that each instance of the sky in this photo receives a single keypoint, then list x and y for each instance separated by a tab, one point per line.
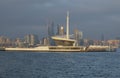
92	17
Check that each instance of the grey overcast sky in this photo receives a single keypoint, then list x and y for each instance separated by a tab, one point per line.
92	17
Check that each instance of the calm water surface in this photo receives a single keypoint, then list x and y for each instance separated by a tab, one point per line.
60	65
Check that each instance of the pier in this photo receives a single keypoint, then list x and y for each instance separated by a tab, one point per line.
63	49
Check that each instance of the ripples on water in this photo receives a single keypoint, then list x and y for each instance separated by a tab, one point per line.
60	65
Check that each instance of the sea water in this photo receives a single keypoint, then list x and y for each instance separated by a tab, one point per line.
60	65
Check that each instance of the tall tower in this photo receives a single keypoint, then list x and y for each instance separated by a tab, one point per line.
51	29
31	39
50	33
78	36
67	25
60	30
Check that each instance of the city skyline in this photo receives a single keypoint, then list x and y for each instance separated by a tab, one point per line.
93	18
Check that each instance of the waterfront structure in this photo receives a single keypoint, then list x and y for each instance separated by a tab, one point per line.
65	39
64	49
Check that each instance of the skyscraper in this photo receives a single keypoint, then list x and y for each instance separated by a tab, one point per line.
78	36
60	30
31	39
50	32
51	29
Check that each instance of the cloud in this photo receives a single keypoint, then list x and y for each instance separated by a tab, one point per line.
90	16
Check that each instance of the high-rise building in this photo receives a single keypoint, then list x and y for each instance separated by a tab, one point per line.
78	37
45	41
60	30
5	42
27	39
51	33
31	39
19	43
51	29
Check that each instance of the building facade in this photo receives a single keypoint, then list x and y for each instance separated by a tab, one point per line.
60	30
78	35
50	33
31	39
